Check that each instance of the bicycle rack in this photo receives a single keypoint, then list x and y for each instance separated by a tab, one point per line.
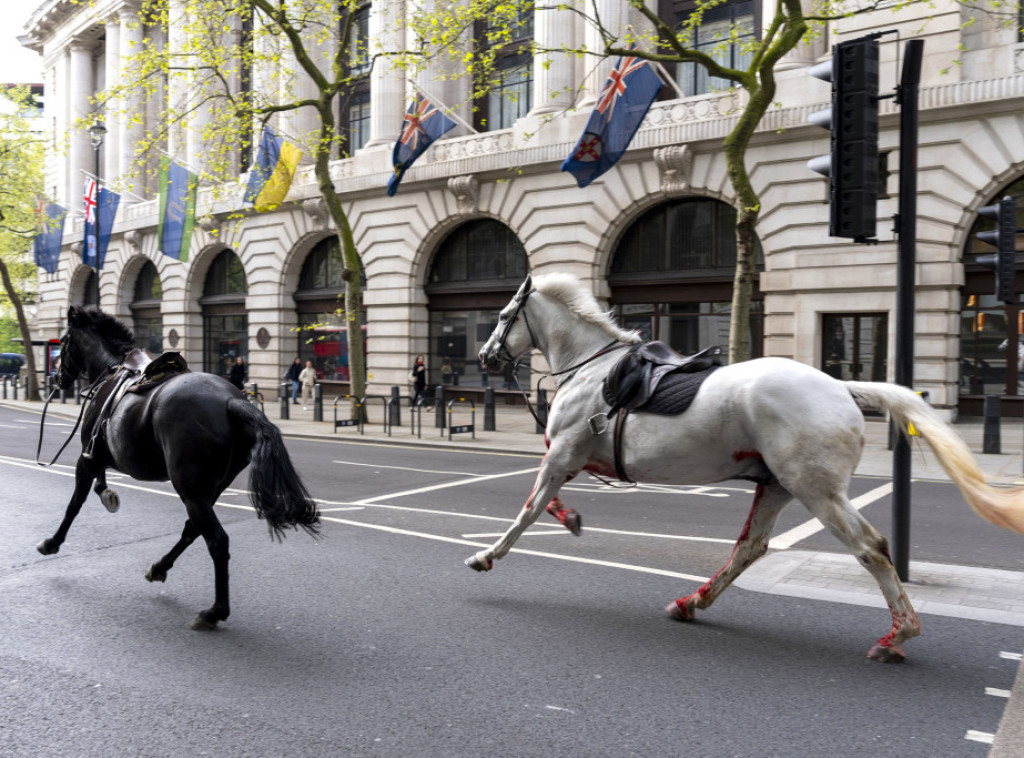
348	421
384	404
461	428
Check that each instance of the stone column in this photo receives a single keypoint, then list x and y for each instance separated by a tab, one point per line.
112	113
612	15
129	133
387	82
177	81
80	91
553	85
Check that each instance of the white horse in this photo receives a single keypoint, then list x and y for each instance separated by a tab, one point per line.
794	430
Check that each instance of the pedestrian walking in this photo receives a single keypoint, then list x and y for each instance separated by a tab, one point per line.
419	379
292	375
307	377
238	373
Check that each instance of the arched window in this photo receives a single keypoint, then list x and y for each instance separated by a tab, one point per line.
671	276
989	364
319	303
147	322
90	290
476	270
225	322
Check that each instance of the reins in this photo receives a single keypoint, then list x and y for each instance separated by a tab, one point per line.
88	394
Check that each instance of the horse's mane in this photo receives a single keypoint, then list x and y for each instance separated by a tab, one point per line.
568	290
115	335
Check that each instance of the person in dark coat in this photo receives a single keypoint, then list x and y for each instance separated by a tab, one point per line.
238	372
419	378
292	375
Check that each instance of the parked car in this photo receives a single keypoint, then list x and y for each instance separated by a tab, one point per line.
11	363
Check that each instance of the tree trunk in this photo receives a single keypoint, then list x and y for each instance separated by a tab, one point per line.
32	381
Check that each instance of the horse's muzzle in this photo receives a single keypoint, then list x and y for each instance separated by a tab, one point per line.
492	363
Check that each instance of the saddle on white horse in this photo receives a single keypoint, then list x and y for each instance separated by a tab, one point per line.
654	378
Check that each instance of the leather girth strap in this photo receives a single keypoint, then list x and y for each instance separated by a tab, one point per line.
620	425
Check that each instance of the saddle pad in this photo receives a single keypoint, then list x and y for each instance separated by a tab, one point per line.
674	392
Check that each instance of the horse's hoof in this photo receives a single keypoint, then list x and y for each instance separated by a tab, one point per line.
683	609
46	547
156	576
110	500
886	654
478	565
573	522
200	624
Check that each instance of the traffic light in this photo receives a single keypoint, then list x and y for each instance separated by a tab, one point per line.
852	165
1003	238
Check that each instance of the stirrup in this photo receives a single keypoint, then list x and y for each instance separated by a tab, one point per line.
593	426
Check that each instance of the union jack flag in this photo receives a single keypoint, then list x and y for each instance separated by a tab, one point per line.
90	201
626	97
423	124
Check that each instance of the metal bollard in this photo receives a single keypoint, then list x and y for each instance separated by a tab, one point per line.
990	435
318	402
489	417
395	406
542	410
439	409
285	392
14	383
5	387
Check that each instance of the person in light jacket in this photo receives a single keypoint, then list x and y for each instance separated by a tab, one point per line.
307	377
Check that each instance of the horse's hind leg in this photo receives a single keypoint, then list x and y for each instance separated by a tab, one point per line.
158	571
752	544
83	478
872	550
204	520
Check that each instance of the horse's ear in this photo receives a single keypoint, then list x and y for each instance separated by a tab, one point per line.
524	288
72	315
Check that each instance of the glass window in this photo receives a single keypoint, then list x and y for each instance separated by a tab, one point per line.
147	323
323	339
225	338
226	276
508	94
354	115
323	267
479	251
723	32
855	346
147	285
458	336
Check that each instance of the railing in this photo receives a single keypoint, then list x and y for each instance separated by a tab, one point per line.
360	413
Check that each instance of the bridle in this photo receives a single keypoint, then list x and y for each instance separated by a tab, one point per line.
503	354
88	394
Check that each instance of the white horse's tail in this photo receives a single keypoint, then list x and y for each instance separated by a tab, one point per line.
1002	506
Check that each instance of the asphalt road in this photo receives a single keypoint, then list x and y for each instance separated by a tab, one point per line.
377	640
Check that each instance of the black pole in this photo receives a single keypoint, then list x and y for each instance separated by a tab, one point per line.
906	95
96	142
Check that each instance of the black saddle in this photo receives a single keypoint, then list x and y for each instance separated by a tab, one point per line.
654	378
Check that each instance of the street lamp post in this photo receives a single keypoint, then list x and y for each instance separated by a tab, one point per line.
96	132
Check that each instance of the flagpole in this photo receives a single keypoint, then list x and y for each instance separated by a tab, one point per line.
455	117
669	80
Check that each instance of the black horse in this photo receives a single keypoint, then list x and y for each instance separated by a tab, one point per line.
191	428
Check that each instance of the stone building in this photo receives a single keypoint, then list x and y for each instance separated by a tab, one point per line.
653	237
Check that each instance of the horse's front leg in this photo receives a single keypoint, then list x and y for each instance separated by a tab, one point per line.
553	473
84	474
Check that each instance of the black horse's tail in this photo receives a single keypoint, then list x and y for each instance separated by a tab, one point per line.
275	489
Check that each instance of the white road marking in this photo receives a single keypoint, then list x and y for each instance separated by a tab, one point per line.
537	553
528	532
975	736
622	532
415	470
1011	656
786	540
435	487
996	692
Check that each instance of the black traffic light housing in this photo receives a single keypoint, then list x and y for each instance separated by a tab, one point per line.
1003	238
852	165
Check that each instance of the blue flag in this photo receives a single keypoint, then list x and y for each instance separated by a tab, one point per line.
624	101
423	124
100	209
46	245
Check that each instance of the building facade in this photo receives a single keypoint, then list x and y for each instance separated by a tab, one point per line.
653	237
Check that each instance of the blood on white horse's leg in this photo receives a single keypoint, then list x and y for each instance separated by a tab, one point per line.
550	479
567	517
872	550
751	545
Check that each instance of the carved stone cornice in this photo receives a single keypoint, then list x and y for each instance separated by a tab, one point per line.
134	240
